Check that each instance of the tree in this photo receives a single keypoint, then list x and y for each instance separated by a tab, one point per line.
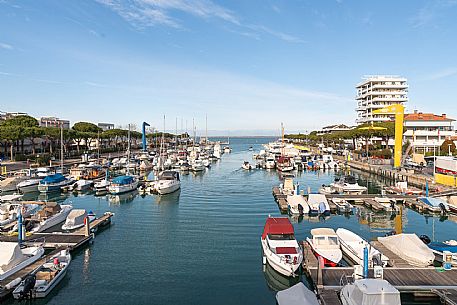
86	127
10	134
21	120
31	133
447	145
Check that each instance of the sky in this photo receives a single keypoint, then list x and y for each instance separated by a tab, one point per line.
245	65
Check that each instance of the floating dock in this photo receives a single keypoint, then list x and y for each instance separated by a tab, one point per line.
328	281
56	241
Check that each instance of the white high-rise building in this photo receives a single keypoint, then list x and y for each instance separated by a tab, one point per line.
379	91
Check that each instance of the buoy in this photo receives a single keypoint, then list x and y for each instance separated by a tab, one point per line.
264	260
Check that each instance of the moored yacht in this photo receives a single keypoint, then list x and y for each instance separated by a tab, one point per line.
123	184
280	248
29	185
168	182
348	185
50	215
54	183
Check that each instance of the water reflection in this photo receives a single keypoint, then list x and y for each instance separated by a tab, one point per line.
122	198
86	265
276	281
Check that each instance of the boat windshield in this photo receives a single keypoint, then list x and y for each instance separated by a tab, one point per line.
281	236
323	240
333	240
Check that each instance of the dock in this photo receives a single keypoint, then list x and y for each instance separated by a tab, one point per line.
56	241
328	281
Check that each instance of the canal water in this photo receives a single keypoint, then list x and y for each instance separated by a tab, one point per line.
202	245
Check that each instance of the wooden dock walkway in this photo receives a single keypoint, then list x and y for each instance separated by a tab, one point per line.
56	241
328	281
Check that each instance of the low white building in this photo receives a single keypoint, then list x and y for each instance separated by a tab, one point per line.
333	128
427	131
54	122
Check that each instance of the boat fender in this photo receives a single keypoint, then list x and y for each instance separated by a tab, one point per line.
13	283
425	239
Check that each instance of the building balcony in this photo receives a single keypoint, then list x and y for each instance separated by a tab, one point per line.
390	99
379	86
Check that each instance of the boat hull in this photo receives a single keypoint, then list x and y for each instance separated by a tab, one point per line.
22	265
169	189
286	269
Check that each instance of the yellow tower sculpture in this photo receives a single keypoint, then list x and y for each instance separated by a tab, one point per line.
398	110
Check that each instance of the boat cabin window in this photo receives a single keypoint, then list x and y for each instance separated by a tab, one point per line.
320	240
333	240
281	236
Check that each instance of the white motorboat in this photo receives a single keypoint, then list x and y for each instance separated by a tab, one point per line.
348	185
280	248
13	258
29	185
270	162
10	211
284	164
77	218
43	279
410	248
54	183
227	149
123	184
327	190
342	205
247	166
197	165
353	247
82	185
298	294
318	204
387	203
42	172
370	292
9	184
168	182
50	215
324	243
297	205
101	187
10	197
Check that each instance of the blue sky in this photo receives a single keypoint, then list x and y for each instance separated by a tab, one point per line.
248	65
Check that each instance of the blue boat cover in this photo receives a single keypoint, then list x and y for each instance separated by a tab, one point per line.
56	178
434	202
122	180
440	246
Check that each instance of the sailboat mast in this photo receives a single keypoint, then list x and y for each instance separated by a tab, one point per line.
61	147
128	151
282	137
206	123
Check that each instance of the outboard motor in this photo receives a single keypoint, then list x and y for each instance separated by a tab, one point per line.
443	208
29	284
425	239
300	209
392	206
377	261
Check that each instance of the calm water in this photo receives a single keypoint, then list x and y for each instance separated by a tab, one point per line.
202	244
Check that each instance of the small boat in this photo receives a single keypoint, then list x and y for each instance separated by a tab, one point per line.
54	183
251	148
77	218
298	294
168	182
50	215
401	187
410	248
82	185
387	203
227	149
10	197
10	211
280	248
197	166
368	292
297	205
42	172
270	162
438	247
14	258
247	166
123	184
101	187
342	205
327	190
353	246
435	205
284	164
10	184
348	185
42	280
318	204
29	185
325	243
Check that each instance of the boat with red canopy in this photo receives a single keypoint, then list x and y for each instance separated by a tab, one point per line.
280	248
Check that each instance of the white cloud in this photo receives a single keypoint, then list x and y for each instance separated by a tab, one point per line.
6	46
147	13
